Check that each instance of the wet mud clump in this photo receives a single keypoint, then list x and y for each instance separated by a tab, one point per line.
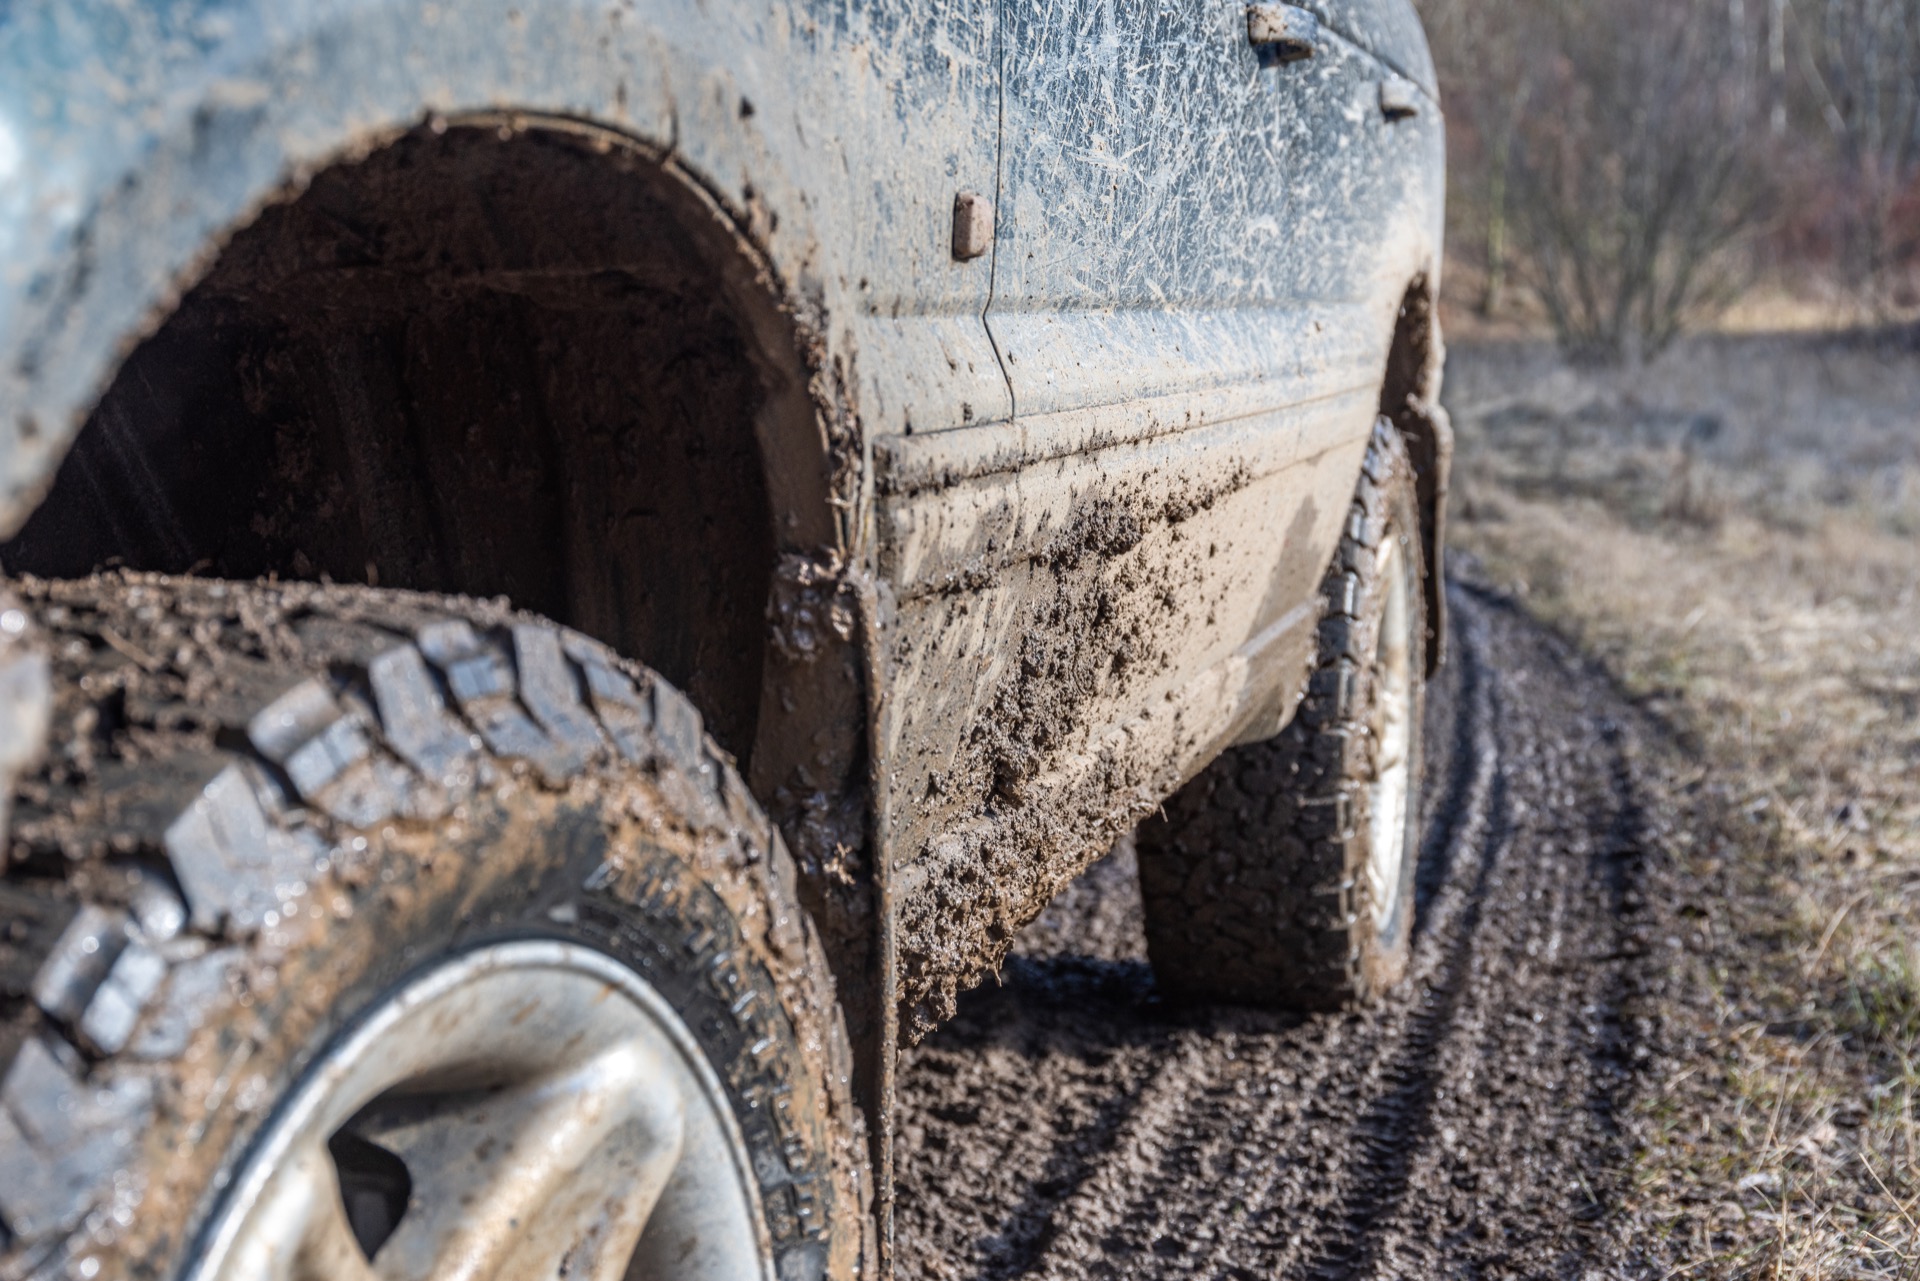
1045	798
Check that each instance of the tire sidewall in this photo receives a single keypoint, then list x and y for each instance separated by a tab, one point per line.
1384	951
574	877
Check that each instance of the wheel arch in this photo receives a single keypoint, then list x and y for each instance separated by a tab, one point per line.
1410	399
135	150
182	138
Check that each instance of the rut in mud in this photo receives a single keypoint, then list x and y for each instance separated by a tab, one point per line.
1069	1123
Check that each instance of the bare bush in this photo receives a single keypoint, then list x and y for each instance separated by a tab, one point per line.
1634	169
1626	158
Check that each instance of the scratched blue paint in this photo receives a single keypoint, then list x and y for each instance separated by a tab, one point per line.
134	134
1148	160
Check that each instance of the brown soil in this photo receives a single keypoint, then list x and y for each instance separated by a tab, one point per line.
1071	1123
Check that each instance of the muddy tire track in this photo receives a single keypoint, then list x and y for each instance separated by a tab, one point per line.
1071	1123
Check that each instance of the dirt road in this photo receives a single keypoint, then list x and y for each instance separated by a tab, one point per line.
1069	1124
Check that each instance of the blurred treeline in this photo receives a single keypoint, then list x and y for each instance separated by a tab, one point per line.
1625	169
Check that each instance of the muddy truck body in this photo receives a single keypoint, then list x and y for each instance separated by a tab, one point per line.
574	572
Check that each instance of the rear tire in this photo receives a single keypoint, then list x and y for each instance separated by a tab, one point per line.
270	817
1283	874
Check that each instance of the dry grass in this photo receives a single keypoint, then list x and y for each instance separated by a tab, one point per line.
1736	534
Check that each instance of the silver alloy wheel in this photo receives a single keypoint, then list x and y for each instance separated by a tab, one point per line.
554	1117
1389	793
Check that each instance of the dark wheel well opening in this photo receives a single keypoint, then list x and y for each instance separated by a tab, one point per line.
484	360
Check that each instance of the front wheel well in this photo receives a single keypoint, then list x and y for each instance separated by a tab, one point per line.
1410	399
487	359
524	357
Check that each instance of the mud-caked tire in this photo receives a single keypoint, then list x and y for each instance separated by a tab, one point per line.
1283	874
265	809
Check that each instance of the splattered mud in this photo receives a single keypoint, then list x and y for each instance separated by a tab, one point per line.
1069	1123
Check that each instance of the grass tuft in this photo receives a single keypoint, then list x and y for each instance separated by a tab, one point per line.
1731	532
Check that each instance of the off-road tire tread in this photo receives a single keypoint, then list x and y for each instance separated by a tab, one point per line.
113	920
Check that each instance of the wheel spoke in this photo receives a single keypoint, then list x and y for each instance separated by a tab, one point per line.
306	1236
531	1109
519	1182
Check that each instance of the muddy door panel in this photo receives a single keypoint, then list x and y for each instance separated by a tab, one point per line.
1073	638
1093	599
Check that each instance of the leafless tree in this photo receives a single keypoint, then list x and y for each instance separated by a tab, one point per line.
1862	65
1486	73
1626	159
1635	167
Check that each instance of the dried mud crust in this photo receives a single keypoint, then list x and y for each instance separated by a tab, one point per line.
1076	1122
1097	618
264	805
1254	877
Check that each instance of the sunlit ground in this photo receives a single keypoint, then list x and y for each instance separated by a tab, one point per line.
1735	532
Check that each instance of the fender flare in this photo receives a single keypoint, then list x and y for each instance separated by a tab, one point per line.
1410	399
